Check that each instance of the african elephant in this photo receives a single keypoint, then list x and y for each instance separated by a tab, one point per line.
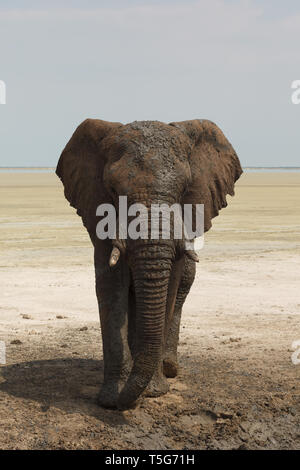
141	284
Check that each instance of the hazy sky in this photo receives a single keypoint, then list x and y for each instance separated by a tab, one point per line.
231	61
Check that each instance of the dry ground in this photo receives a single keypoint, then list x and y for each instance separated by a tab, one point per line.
237	387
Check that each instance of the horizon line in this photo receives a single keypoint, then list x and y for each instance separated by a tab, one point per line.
53	167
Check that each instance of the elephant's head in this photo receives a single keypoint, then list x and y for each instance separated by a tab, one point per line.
149	162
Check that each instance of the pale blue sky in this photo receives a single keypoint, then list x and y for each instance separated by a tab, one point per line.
231	61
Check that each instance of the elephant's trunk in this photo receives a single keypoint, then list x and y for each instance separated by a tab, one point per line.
151	271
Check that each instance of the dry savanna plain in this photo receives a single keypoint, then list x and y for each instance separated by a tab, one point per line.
238	386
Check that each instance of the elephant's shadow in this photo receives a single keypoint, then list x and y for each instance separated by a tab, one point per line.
69	384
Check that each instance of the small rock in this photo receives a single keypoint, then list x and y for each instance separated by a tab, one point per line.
293	411
16	341
225	415
244	427
243	447
84	328
26	317
45	408
178	387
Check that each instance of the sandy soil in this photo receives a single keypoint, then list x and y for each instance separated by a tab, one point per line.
237	388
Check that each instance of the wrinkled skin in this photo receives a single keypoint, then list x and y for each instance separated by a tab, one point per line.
141	288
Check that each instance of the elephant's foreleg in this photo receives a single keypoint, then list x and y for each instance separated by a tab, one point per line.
112	293
170	363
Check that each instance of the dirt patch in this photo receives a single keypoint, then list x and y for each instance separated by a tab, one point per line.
221	400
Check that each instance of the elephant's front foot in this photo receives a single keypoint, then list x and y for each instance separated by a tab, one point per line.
108	396
109	393
170	366
158	385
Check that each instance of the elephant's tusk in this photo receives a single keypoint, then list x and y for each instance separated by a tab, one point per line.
114	257
192	255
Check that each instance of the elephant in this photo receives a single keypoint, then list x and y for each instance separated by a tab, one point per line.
142	284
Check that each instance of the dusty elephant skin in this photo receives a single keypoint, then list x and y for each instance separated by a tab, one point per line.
141	297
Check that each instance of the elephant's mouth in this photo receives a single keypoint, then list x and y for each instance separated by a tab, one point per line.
116	253
182	245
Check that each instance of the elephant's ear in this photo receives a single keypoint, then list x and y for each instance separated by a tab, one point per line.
80	169
214	167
